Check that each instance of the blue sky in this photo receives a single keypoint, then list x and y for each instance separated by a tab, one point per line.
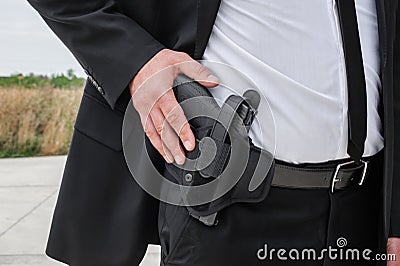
28	45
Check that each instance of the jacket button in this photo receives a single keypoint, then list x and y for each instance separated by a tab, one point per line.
100	89
94	83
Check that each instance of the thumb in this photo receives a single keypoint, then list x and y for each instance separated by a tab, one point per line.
199	73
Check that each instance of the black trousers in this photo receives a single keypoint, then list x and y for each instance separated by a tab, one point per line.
301	223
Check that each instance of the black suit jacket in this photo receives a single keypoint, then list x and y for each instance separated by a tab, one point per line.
101	215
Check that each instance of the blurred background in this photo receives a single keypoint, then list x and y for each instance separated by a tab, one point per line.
40	89
28	45
40	85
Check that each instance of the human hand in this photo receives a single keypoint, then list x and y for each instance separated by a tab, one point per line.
393	247
161	116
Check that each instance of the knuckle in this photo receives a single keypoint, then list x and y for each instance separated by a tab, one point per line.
159	128
166	53
172	143
175	149
182	57
185	132
173	118
201	70
173	56
149	133
164	100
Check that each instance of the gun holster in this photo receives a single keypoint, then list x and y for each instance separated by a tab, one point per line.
215	135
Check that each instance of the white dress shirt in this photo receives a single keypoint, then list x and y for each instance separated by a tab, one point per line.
293	51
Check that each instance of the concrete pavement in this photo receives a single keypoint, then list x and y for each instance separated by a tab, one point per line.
28	192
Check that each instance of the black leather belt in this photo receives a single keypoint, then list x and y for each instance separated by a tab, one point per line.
335	176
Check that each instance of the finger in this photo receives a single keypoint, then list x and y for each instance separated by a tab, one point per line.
171	141
199	73
175	116
155	140
187	137
169	158
158	121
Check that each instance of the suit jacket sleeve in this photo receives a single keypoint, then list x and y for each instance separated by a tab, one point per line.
395	214
109	45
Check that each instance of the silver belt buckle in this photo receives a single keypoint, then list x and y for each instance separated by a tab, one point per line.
335	178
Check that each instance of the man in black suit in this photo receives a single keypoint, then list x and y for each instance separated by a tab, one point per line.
102	217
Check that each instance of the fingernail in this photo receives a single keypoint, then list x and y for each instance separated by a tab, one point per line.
168	160
179	159
213	79
188	145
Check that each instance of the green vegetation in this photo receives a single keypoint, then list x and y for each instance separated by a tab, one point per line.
37	114
31	81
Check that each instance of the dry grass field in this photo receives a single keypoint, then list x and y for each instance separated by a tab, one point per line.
36	121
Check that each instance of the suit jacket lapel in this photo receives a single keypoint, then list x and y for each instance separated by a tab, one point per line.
206	13
382	28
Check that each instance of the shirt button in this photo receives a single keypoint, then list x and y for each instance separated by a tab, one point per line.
100	89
